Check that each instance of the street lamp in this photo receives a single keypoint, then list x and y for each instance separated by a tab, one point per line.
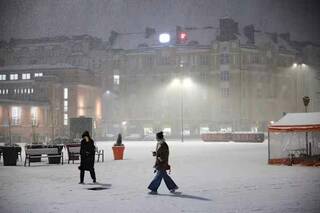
300	67
182	83
305	98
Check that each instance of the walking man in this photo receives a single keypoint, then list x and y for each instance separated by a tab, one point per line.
161	166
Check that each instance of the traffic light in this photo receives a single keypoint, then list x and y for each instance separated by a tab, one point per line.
181	35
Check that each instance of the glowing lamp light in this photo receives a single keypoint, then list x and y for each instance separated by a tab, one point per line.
164	38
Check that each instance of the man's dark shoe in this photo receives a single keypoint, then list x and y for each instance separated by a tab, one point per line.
153	192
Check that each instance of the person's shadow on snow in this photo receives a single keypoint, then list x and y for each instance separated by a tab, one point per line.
180	195
98	186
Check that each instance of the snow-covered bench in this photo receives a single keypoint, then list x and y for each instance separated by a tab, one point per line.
100	152
42	153
296	153
74	153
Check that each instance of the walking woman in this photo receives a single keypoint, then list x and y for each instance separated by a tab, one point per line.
161	166
87	153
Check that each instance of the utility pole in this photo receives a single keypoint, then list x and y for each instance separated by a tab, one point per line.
9	125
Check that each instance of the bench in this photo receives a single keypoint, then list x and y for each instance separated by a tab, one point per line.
296	153
74	153
42	153
100	152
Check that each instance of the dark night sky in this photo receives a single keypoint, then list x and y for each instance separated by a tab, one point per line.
41	18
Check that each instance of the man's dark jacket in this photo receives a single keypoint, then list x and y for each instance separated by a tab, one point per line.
162	155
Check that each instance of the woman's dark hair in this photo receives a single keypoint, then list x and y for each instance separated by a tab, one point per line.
85	133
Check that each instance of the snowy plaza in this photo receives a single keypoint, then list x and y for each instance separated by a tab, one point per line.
212	177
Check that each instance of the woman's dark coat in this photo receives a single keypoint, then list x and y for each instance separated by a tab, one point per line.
87	152
162	155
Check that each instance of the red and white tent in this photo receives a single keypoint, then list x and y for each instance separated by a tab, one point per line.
295	134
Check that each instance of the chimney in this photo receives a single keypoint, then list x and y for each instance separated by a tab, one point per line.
285	36
228	29
249	33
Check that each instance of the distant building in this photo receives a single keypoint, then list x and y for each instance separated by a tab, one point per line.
36	101
239	82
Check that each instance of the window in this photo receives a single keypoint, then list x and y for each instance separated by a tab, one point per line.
116	79
225	76
38	74
13	76
25	76
224	59
193	60
34	115
164	60
65	119
16	115
65	106
148	61
204	60
65	93
225	92
3	77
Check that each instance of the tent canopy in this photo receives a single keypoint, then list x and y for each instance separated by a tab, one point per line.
297	122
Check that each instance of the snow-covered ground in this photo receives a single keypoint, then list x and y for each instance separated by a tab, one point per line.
213	177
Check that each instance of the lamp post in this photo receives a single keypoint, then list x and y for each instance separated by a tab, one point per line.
299	67
305	98
9	125
182	82
181	102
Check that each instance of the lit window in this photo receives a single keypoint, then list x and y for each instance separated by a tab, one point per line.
16	115
116	79
65	120
65	106
3	77
38	74
28	90
65	93
31	90
13	76
34	115
25	76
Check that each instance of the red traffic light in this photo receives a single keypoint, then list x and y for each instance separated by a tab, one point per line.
183	36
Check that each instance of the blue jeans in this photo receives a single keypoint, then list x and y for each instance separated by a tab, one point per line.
155	183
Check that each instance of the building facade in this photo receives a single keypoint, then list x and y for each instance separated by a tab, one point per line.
38	100
238	82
